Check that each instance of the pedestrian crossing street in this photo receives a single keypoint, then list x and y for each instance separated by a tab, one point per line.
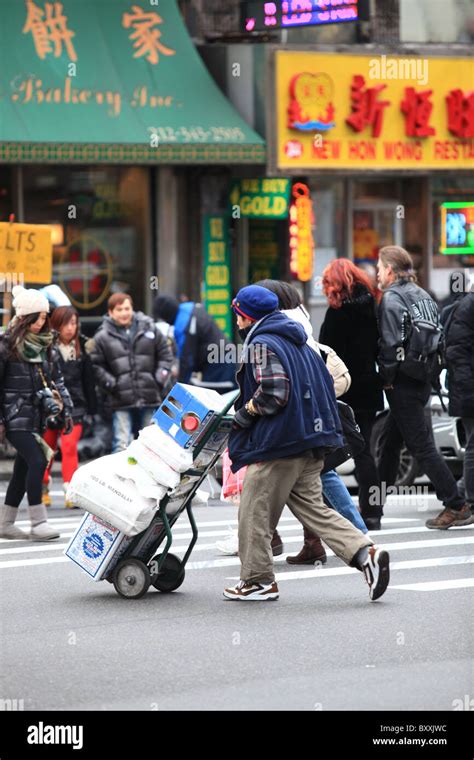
412	548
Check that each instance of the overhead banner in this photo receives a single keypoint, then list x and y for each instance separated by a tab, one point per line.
26	250
360	112
261	198
111	81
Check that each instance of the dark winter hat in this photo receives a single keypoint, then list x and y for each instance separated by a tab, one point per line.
254	302
166	308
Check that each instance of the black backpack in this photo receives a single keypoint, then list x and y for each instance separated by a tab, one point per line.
424	348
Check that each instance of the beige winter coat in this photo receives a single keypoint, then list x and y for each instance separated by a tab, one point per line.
336	367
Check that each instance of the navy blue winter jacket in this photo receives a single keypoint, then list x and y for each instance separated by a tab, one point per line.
310	418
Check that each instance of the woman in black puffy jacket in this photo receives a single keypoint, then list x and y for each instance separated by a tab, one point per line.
29	369
78	373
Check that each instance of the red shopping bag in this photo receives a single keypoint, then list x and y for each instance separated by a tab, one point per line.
231	482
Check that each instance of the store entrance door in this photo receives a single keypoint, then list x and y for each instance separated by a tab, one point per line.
374	225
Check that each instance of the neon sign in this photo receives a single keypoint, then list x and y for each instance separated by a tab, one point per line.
284	14
457	228
301	235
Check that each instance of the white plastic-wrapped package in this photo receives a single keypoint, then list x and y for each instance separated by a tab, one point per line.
160	443
154	465
127	468
98	489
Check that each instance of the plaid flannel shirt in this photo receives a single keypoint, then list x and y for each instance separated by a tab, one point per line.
273	382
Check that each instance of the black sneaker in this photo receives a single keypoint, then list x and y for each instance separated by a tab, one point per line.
373	523
377	572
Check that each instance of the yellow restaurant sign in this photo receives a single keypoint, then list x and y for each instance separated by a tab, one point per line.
26	251
361	112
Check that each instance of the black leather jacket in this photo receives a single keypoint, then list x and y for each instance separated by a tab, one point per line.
20	409
460	359
394	325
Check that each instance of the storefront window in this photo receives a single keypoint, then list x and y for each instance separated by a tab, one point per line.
6	208
6	202
100	218
453	222
330	222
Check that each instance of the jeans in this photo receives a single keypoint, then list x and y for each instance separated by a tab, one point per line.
407	422
126	423
366	469
338	497
28	469
468	474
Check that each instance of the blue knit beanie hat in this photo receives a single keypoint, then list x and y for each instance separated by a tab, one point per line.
254	302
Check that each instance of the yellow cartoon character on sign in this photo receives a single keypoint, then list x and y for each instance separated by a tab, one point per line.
311	105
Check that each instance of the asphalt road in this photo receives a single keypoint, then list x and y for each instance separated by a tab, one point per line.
68	643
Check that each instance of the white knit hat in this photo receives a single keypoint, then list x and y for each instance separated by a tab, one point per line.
28	301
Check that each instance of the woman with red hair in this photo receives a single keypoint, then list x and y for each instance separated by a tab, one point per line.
350	328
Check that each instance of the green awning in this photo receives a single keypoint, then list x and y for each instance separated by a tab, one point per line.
114	81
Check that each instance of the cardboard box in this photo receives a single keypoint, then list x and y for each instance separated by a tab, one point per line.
94	545
184	402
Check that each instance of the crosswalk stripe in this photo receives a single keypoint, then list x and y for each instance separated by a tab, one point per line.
283	529
232	560
322	572
29	562
70	521
14	548
289	575
437	585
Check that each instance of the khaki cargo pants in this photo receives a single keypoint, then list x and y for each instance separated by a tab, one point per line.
294	481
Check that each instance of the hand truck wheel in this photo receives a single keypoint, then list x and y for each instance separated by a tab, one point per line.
131	578
170	576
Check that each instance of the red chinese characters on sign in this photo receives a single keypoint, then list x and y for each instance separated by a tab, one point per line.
417	107
460	107
366	108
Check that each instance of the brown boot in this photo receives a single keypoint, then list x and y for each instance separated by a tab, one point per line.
312	551
277	544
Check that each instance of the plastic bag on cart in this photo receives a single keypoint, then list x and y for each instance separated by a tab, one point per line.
127	468
98	489
154	465
232	483
167	449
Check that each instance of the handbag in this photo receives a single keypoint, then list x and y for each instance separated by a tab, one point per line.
354	441
56	421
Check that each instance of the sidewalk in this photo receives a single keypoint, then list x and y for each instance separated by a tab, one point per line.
6	468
